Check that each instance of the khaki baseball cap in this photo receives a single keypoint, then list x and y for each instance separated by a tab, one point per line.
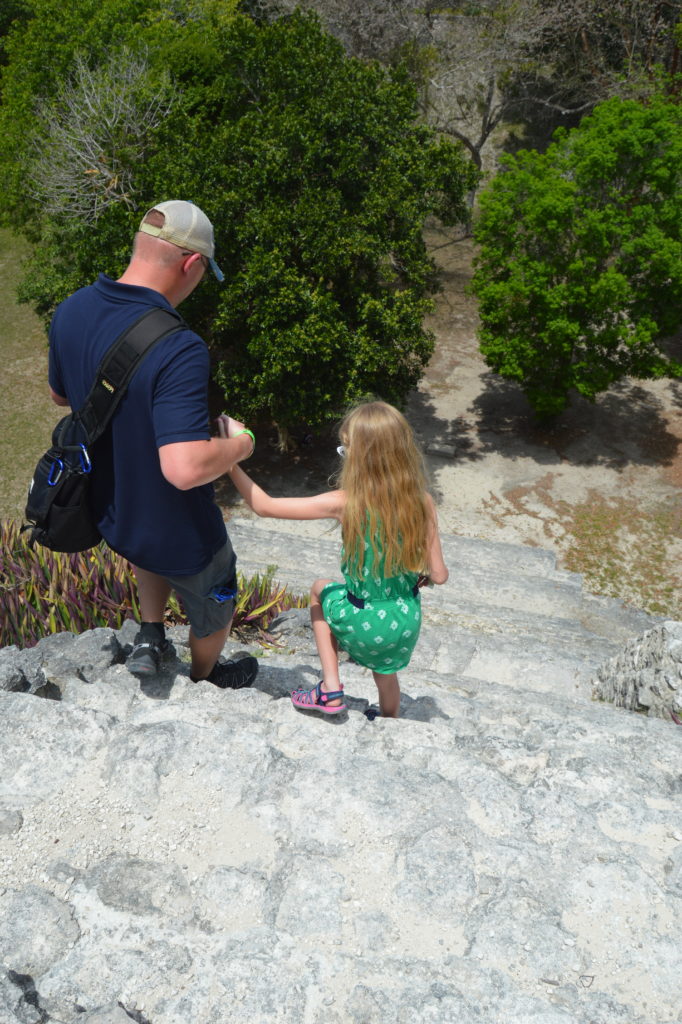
187	226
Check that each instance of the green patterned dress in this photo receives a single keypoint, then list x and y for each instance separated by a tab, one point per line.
382	634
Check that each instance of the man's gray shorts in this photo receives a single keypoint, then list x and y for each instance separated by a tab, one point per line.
201	593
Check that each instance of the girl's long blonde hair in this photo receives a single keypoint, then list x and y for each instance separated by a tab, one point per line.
385	483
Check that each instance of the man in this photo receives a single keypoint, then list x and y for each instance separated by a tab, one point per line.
154	466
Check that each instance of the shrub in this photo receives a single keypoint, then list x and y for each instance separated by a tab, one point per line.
579	273
44	592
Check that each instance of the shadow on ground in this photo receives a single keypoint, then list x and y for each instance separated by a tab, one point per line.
624	426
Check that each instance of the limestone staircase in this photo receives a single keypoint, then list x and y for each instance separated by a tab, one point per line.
507	618
508	852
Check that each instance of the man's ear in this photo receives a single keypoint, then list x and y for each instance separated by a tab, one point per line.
192	259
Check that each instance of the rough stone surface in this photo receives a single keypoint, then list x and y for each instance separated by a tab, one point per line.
21	670
647	675
507	852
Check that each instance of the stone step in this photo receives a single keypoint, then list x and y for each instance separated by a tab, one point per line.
496	854
563	661
516	662
506	616
509	587
502	672
592	617
301	558
290	543
490	555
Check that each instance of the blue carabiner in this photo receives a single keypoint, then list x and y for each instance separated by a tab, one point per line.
51	479
86	464
222	594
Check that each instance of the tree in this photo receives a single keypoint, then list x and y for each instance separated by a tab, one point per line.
595	49
480	65
318	178
579	276
459	55
326	179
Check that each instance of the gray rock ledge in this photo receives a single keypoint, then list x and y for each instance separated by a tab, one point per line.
508	852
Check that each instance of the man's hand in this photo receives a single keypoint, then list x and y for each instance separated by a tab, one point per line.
228	427
187	464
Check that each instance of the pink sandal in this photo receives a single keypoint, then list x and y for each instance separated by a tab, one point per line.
316	700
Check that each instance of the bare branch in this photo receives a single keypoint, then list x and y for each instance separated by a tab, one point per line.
90	139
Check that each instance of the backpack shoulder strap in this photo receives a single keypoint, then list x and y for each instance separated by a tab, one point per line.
119	364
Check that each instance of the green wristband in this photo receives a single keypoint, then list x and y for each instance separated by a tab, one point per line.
249	432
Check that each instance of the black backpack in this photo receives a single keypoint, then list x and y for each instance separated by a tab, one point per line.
58	508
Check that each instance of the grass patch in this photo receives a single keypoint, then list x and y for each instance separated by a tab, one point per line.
27	412
626	550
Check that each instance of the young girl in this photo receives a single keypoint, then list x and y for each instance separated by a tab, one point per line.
391	548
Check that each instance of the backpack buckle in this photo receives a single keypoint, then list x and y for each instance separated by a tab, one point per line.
53	478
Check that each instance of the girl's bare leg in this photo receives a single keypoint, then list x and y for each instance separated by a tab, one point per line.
389	694
327	647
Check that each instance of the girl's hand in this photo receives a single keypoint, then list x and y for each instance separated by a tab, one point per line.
228	427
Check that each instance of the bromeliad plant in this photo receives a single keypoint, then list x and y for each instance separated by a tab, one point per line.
261	600
44	592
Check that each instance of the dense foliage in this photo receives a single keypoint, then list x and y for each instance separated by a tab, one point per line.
43	592
311	164
579	275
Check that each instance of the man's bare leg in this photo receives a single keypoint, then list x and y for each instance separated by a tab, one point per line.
150	644
206	650
153	592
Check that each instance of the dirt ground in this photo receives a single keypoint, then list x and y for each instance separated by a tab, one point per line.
602	488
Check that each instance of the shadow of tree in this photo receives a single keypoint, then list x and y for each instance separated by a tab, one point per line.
676	393
625	425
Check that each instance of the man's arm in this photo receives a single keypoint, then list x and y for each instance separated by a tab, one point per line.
187	464
58	399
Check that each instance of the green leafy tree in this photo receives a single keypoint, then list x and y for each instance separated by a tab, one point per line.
318	178
579	275
11	11
327	179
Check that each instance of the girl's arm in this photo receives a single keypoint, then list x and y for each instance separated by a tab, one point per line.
438	570
320	506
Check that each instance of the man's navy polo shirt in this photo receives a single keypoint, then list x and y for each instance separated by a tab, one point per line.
140	514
